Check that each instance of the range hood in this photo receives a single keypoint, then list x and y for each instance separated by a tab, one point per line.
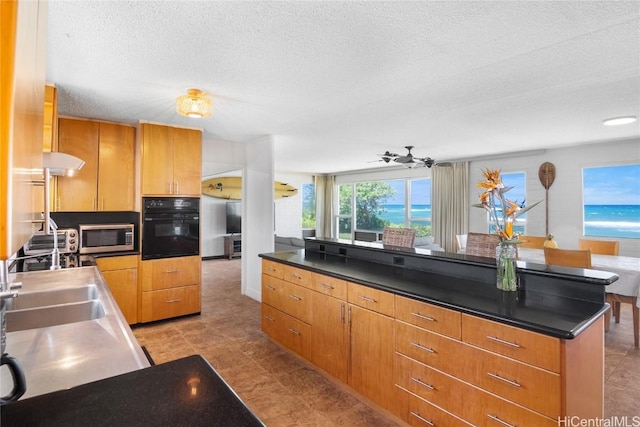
61	164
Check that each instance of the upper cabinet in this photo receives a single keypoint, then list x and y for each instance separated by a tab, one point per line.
171	160
107	180
23	25
50	123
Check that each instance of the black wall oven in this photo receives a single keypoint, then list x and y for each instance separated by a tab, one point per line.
170	227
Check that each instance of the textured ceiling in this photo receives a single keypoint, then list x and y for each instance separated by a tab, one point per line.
339	82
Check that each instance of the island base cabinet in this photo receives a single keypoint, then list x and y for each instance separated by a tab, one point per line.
288	331
330	337
420	413
167	303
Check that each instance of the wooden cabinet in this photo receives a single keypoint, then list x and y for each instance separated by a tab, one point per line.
121	275
171	160
330	335
22	80
232	246
169	287
107	180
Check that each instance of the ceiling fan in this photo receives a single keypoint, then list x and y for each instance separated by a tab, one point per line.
407	160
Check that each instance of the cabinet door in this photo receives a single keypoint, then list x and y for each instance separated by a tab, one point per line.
79	138
187	161
371	355
329	338
157	159
123	284
116	168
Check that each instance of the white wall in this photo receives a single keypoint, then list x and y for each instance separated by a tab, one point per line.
565	194
288	210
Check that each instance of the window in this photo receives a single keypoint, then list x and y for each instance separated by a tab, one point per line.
309	206
517	194
345	211
611	201
379	204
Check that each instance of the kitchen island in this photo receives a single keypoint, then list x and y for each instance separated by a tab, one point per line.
435	326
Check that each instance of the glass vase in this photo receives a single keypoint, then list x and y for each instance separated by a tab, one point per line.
506	278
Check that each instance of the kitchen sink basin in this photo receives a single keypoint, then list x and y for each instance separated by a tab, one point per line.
52	315
27	300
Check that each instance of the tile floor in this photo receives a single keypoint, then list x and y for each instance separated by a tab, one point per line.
283	390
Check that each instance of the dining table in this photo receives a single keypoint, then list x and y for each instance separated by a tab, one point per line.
626	288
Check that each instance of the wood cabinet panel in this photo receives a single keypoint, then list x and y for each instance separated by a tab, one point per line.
298	276
420	413
530	347
330	335
287	297
371	355
274	269
80	138
116	168
370	298
167	303
170	272
171	160
428	316
117	262
121	275
273	322
428	347
287	330
329	285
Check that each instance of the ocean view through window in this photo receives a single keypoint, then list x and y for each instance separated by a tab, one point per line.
611	201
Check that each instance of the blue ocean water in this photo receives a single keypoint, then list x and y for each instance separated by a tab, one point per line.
599	220
612	221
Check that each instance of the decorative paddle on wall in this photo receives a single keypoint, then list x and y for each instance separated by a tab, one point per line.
547	174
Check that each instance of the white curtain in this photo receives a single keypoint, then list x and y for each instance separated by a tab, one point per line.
324	205
449	203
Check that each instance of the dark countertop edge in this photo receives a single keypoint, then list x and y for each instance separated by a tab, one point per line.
557	333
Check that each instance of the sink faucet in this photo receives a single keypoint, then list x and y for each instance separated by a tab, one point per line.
7	290
55	254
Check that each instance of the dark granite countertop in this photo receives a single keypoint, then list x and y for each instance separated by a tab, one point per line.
184	392
549	314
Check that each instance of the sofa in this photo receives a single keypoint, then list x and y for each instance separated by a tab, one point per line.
288	243
426	242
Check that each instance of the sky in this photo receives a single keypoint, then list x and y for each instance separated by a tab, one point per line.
612	185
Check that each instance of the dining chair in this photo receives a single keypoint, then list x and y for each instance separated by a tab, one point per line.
600	247
534	242
480	244
568	257
461	240
399	237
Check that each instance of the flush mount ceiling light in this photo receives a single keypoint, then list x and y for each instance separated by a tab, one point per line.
195	104
616	121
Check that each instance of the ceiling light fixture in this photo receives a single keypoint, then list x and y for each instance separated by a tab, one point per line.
194	104
616	121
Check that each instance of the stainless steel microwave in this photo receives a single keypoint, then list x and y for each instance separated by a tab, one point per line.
100	238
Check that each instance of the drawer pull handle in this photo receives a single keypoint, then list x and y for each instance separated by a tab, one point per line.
367	299
269	318
271	288
173	300
296	276
295	297
422	316
509	343
293	331
271	269
341	313
421	347
422	383
324	285
498	420
424	420
498	377
172	271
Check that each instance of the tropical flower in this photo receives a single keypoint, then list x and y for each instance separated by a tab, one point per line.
493	197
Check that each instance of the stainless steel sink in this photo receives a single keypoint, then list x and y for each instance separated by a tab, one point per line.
52	315
26	300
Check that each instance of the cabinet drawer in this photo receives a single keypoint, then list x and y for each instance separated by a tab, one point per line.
329	285
427	347
272	268
298	276
170	272
272	322
530	347
478	407
428	316
370	298
288	331
287	297
167	303
420	413
117	262
530	386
